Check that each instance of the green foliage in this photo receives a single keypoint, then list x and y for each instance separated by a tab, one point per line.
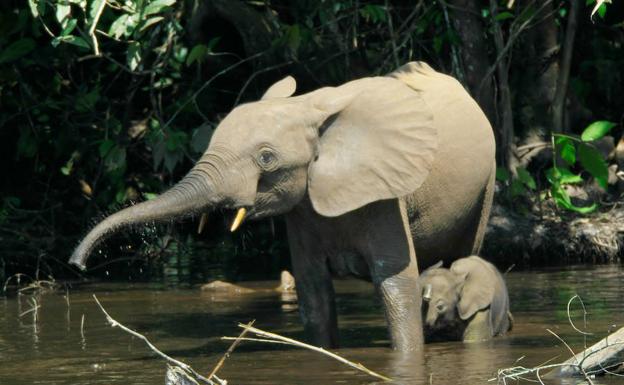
572	149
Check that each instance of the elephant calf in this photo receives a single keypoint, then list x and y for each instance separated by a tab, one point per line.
468	302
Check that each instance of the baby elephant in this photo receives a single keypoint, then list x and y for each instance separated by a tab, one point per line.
468	302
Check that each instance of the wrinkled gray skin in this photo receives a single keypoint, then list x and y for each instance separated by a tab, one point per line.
369	175
468	302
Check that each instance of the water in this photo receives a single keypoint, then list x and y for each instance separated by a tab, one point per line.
187	324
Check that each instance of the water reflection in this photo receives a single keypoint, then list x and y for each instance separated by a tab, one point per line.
64	339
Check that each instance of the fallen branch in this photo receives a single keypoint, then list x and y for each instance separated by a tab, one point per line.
597	359
185	367
601	358
276	338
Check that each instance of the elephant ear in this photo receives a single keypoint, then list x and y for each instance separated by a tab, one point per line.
281	89
378	142
478	288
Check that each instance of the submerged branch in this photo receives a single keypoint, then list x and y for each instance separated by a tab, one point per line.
185	367
276	338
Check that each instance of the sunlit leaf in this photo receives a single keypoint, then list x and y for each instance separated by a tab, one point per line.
62	13
133	55
562	199
93	9
566	149
118	27
71	24
592	161
568	177
157	6
597	130
34	10
149	22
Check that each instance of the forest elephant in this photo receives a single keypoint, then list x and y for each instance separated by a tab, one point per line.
468	302
369	175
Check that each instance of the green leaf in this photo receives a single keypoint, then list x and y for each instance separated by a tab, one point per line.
95	5
149	22
438	42
567	177
34	10
71	24
62	13
374	13
17	50
105	147
118	27
504	16
197	54
562	199
149	196
517	188
157	6
77	41
566	149
592	161
115	159
502	174
133	56
526	178
597	130
293	38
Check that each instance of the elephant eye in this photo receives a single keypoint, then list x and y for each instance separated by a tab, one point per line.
440	307
266	159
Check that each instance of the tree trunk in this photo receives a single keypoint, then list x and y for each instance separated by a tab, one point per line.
564	72
466	18
506	124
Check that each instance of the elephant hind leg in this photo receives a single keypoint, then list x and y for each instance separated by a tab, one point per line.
484	214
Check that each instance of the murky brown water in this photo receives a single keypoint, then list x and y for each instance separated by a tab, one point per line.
187	324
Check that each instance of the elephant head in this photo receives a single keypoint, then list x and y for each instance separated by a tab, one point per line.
340	147
455	295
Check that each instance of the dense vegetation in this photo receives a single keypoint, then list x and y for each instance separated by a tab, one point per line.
106	102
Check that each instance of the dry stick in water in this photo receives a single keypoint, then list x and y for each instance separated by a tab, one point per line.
230	350
290	341
175	362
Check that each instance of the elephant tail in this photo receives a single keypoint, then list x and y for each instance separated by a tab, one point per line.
486	207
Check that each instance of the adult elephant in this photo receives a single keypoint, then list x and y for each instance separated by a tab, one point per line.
369	175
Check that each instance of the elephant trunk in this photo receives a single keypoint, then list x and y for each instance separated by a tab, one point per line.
192	195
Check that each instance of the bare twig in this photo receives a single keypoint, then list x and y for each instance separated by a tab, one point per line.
94	22
226	355
187	368
293	342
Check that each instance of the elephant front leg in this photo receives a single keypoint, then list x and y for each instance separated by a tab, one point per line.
399	293
315	290
395	273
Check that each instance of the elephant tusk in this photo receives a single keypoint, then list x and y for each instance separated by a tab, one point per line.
240	215
427	293
202	223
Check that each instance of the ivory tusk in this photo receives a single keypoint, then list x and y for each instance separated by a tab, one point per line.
427	293
240	215
202	223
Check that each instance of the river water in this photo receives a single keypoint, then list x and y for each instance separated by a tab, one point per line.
67	340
